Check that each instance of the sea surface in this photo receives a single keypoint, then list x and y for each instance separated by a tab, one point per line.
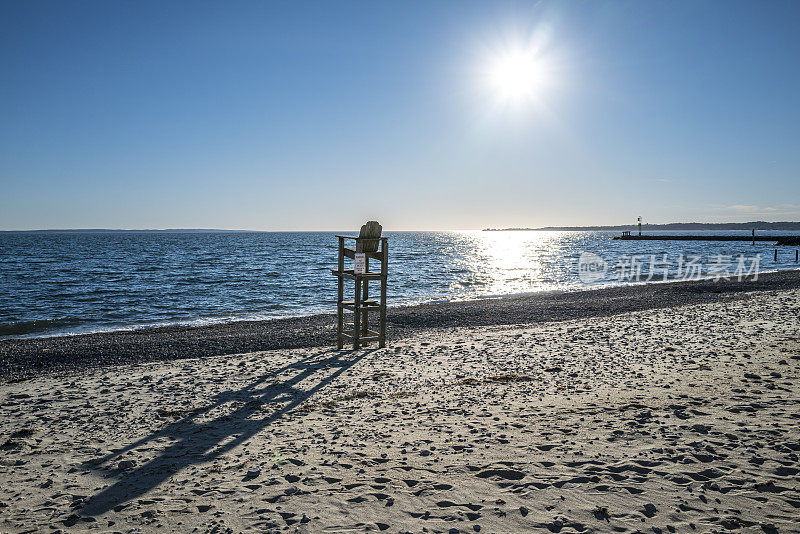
60	283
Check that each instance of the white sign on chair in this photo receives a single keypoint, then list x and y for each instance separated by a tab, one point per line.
360	263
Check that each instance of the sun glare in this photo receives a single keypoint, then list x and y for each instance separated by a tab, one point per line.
516	76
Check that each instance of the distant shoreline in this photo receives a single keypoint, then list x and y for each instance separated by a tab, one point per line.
790	226
120	230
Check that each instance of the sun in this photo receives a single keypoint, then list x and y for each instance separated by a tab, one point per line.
516	76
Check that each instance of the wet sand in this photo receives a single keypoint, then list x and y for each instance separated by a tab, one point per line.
681	419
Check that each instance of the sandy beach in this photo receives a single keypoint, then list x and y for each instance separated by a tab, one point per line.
681	419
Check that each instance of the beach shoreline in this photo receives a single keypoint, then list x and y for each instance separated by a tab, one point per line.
22	359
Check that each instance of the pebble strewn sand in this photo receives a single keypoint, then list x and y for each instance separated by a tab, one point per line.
669	420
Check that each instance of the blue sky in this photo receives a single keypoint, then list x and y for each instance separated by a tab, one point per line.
319	115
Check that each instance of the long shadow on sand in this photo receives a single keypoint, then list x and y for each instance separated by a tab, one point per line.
198	441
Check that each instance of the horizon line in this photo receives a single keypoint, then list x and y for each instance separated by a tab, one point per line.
224	230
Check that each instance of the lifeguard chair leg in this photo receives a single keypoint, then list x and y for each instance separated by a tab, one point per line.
383	281
340	297
357	316
364	298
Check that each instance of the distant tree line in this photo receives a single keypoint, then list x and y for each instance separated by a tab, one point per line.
745	226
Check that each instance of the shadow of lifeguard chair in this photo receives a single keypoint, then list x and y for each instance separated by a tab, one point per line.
369	245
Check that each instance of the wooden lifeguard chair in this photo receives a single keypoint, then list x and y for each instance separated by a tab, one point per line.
369	245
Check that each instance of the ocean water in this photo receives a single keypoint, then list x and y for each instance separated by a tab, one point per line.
57	283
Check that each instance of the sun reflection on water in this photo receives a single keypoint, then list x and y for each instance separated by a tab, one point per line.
511	262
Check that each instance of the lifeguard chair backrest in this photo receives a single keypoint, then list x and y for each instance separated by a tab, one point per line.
368	237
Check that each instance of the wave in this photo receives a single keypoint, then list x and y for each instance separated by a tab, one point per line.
21	328
70	326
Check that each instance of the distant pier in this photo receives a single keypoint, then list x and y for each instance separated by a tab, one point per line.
787	240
